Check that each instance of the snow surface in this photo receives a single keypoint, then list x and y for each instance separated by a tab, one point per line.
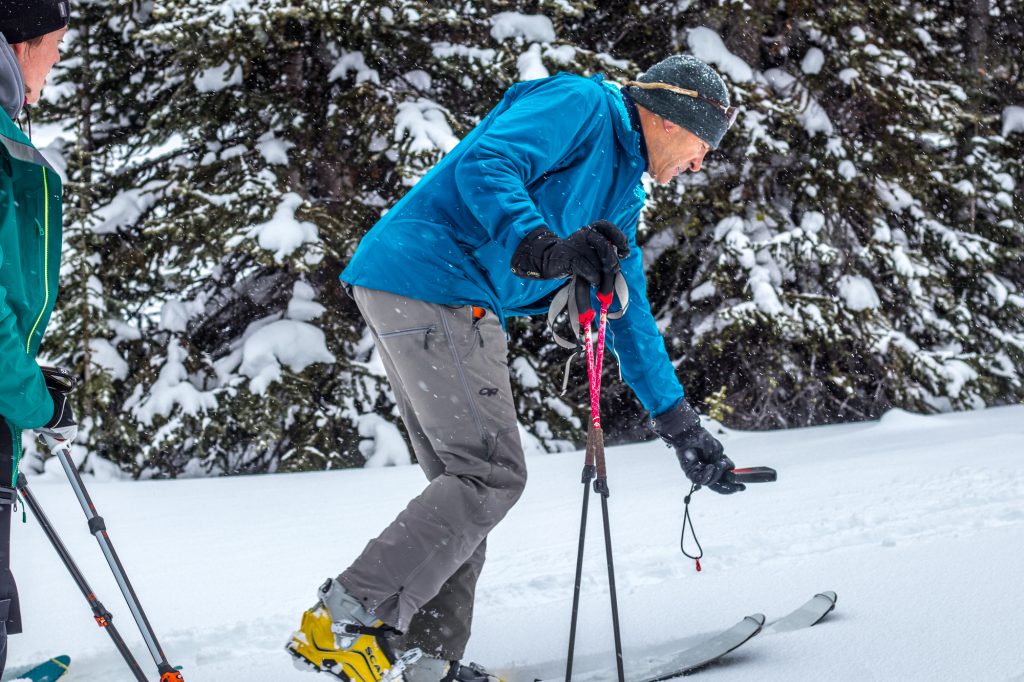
531	64
104	354
125	209
444	50
708	46
218	78
1013	120
814	118
172	389
284	233
534	28
302	307
858	292
812	222
384	444
917	523
812	61
293	343
273	149
848	75
424	122
355	62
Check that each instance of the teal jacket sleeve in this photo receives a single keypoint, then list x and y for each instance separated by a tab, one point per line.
530	137
24	400
637	341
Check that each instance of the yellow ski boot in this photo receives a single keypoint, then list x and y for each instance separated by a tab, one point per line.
339	637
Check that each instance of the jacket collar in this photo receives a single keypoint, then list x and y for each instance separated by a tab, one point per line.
630	140
634	121
12	85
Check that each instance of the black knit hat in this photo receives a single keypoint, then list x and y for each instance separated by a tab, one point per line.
704	112
22	20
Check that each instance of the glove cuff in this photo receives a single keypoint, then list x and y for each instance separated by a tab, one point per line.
528	259
676	423
62	414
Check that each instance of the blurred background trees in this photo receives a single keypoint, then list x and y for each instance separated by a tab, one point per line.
855	245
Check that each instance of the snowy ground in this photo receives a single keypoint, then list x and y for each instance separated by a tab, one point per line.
917	523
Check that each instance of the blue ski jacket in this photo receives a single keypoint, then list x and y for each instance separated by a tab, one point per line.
556	152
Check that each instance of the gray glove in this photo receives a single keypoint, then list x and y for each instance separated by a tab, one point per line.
700	454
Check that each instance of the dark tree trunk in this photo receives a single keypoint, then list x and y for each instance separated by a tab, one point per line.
977	36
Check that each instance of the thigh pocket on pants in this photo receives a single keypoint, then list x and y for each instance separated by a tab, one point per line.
423	332
508	463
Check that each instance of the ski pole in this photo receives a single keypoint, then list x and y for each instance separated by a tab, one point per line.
99	529
588	476
595	467
103	617
601	482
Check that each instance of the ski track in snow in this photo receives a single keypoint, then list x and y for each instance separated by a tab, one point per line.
917	523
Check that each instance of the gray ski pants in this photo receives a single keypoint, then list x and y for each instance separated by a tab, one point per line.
449	373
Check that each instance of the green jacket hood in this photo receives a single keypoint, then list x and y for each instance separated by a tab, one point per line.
12	84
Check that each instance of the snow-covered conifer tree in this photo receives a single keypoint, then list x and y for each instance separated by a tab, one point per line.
856	244
826	265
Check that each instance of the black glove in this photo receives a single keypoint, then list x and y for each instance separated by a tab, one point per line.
700	454
592	252
62	427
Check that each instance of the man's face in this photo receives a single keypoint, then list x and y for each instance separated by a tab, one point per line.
37	60
673	150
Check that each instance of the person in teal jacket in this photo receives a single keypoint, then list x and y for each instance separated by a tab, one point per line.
547	186
30	245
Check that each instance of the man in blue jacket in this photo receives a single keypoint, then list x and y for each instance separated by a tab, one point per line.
545	187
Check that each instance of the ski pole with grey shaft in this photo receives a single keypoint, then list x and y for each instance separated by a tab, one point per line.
103	617
98	528
594	466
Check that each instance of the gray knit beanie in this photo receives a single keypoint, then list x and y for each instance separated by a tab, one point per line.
700	117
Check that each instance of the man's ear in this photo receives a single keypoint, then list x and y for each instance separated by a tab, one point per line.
19	50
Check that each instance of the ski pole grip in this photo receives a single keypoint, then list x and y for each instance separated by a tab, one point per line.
607	288
61	378
582	294
751	475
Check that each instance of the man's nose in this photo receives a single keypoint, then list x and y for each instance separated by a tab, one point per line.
696	163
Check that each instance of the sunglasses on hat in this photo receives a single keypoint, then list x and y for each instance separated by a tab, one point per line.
730	113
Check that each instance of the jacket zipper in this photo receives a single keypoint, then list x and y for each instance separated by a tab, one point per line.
46	260
16	442
46	299
426	331
406	332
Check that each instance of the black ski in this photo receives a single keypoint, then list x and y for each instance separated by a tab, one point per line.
708	651
695	658
811	613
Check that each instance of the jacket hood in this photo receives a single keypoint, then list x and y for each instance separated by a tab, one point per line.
12	85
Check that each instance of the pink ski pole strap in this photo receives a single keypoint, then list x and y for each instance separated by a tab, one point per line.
566	301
